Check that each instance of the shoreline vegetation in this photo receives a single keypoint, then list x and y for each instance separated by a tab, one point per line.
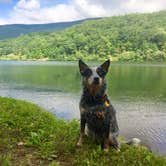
113	60
31	135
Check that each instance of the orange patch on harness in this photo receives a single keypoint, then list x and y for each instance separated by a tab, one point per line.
100	115
107	103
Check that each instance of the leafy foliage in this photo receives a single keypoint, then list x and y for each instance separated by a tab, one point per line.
133	37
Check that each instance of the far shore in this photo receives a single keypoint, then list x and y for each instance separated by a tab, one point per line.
113	60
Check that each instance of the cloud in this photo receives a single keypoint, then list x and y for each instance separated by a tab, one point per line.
145	6
3	21
28	5
88	9
33	11
116	7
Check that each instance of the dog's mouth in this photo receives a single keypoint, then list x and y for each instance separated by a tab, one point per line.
94	88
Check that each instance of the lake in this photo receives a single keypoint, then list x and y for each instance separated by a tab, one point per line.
137	91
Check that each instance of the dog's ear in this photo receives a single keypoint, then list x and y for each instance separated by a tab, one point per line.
83	67
105	66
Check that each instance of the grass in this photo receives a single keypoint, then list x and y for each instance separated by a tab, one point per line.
29	135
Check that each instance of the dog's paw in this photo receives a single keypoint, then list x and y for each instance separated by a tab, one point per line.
118	150
106	150
79	144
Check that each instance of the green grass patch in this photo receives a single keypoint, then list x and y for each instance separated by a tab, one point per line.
29	135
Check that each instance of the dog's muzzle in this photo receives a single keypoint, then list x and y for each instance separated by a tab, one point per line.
96	81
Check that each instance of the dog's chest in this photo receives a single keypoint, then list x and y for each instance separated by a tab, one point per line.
98	120
97	114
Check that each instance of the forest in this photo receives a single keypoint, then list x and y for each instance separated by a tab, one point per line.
132	37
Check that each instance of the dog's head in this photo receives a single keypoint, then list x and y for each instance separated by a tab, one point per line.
94	78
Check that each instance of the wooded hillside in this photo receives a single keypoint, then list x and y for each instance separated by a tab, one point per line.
133	37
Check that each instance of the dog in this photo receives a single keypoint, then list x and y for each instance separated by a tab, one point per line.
96	110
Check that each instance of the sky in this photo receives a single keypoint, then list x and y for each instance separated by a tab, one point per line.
49	11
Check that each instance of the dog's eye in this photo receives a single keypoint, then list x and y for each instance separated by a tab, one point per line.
101	72
87	72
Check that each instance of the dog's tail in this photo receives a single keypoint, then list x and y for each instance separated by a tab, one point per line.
133	142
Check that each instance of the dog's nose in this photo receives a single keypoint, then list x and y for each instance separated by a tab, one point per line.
96	80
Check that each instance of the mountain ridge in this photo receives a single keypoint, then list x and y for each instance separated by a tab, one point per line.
14	30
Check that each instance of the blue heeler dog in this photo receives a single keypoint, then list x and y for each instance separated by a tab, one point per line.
97	113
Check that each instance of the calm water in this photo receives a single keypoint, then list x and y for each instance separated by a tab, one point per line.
138	93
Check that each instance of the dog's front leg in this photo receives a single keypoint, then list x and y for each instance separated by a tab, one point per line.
82	131
114	141
106	144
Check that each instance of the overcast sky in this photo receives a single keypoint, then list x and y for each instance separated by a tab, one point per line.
48	11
